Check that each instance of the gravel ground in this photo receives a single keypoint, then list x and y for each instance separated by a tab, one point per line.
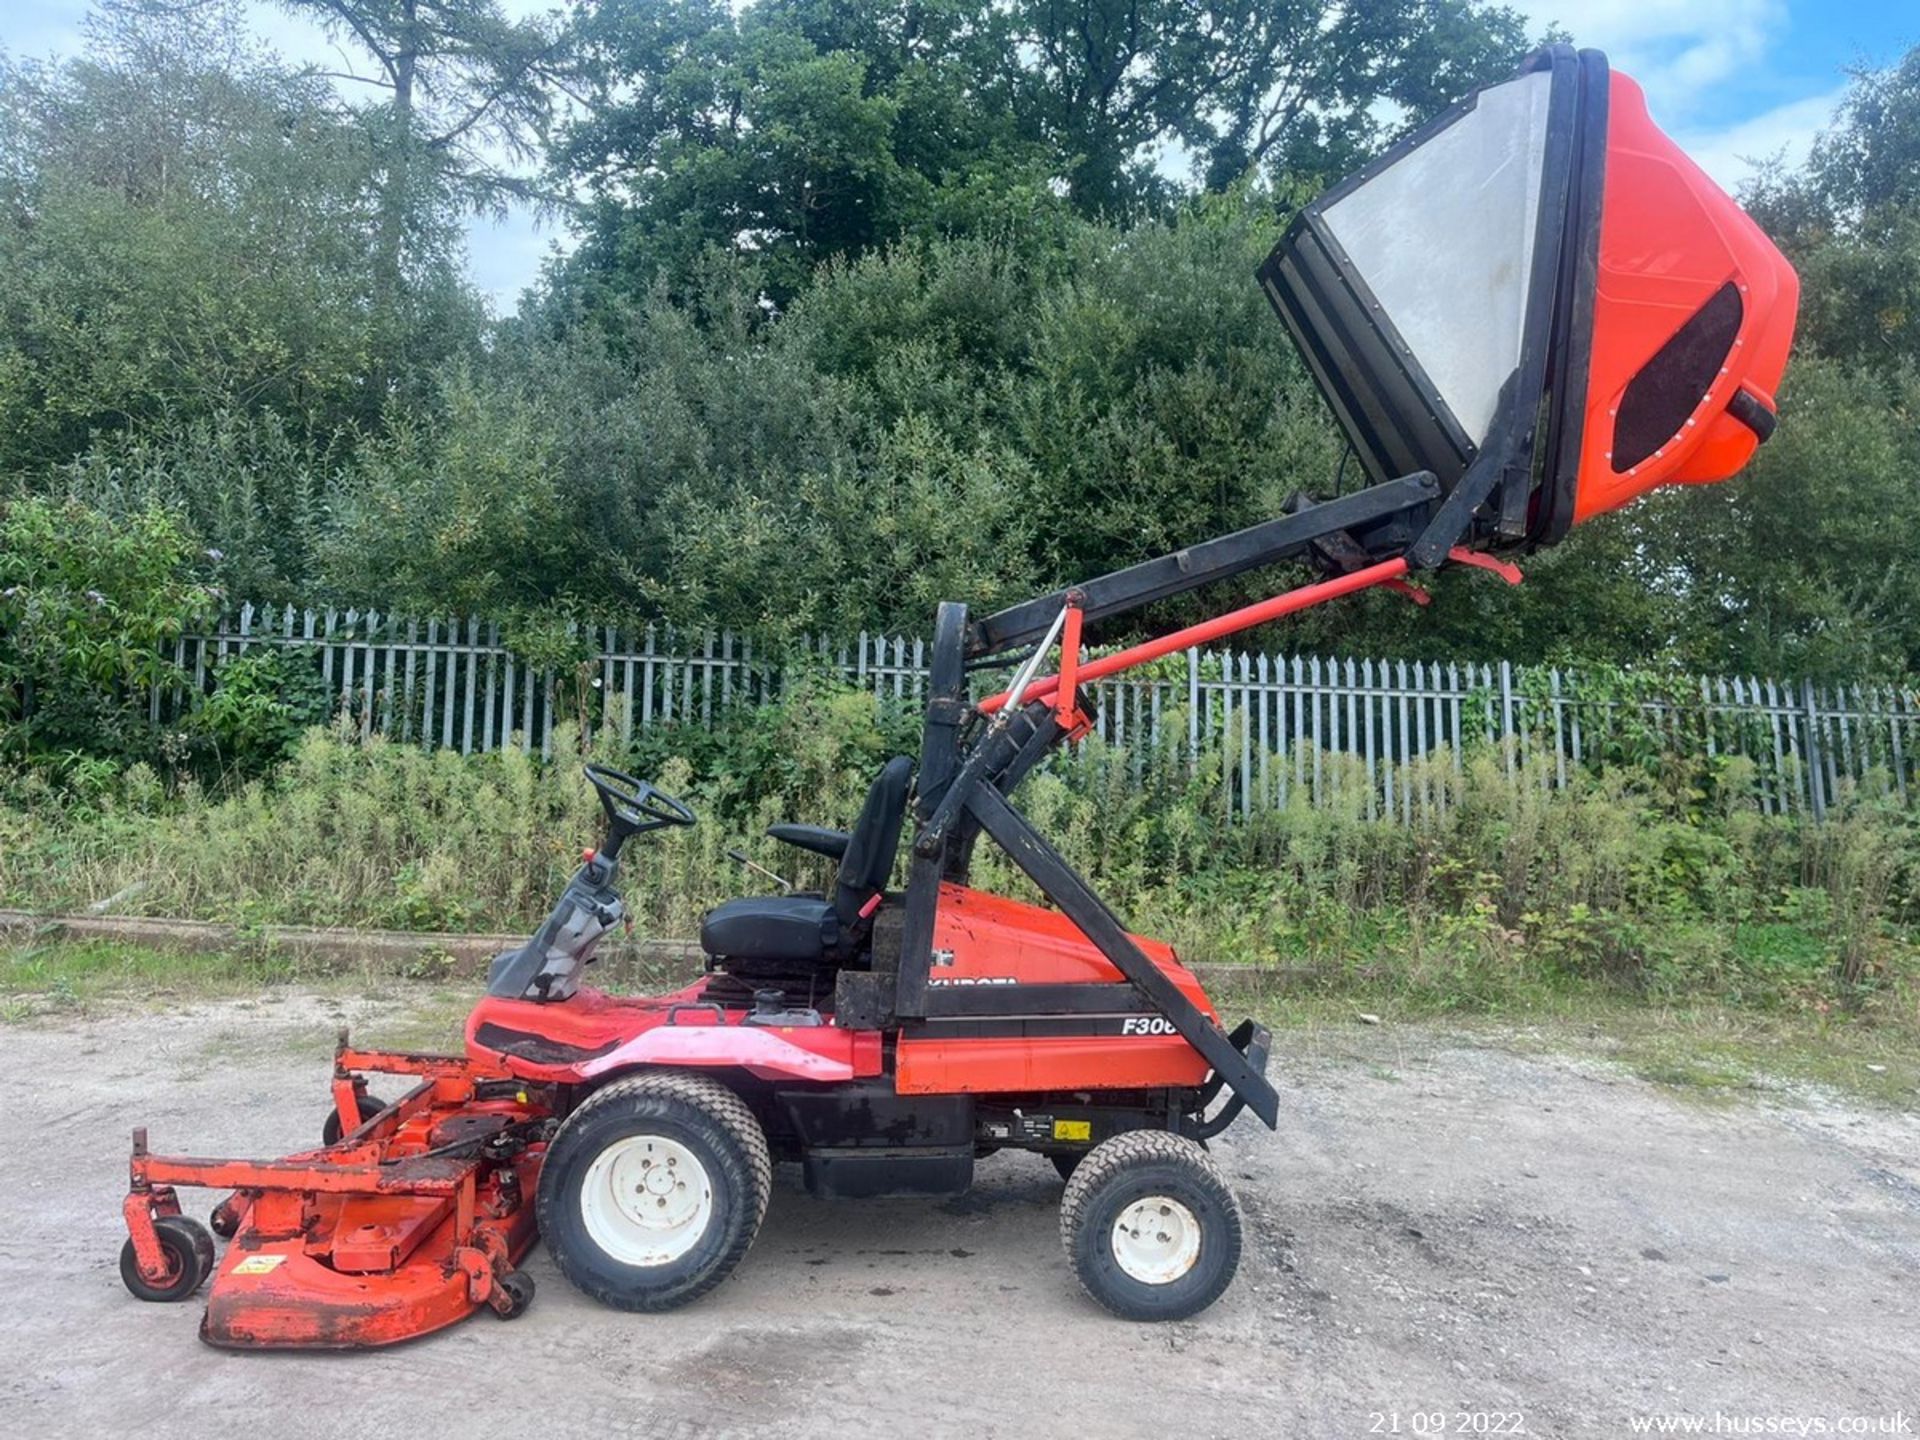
1440	1230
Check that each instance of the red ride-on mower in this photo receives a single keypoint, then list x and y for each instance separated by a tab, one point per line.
1523	315
795	1047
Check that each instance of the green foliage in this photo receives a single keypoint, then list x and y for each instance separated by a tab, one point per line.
1798	568
457	511
1850	220
795	131
88	605
873	306
185	228
960	418
253	488
261	703
819	740
91	605
1499	886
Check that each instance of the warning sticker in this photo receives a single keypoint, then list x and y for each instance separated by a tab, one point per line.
258	1264
1073	1129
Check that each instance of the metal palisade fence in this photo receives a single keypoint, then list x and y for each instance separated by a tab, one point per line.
1280	728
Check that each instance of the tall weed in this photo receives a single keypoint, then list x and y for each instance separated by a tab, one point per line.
1471	880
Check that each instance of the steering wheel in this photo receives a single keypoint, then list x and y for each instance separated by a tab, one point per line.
635	805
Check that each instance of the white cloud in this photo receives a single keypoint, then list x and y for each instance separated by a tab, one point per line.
1688	55
1676	49
1729	154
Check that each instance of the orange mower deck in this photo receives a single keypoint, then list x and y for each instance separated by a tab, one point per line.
415	1217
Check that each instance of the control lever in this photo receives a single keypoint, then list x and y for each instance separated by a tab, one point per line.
785	884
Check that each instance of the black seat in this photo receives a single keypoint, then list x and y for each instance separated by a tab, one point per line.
798	928
808	931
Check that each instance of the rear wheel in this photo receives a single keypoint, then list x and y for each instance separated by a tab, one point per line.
1150	1226
653	1190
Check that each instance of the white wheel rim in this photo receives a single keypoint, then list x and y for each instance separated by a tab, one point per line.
1156	1240
646	1200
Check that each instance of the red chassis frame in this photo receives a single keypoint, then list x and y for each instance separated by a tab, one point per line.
413	1219
1390	573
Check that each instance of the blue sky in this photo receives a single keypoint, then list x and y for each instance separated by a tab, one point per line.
1734	80
1731	80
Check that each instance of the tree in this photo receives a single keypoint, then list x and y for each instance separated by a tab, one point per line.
1850	221
795	130
468	95
458	512
1243	84
88	605
1800	565
790	132
185	228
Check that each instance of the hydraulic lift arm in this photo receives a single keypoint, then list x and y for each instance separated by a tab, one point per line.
1283	538
1447	300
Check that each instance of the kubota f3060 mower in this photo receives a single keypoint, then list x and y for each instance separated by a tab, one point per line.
1526	314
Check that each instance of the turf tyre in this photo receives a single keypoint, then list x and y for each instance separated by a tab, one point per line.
1147	1167
190	1254
694	1114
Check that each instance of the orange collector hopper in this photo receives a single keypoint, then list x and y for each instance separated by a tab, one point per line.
1541	300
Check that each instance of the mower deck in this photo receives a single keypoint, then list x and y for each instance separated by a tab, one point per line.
411	1220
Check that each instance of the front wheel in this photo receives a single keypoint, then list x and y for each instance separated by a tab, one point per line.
1150	1226
653	1190
516	1294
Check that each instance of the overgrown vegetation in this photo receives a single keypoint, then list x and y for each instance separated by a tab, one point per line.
1503	886
88	607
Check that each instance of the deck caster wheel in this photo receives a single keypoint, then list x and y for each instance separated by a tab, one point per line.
1150	1226
518	1288
189	1253
653	1189
331	1131
224	1219
203	1248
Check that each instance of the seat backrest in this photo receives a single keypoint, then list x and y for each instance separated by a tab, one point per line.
873	839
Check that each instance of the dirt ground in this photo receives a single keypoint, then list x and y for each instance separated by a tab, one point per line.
1440	1230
